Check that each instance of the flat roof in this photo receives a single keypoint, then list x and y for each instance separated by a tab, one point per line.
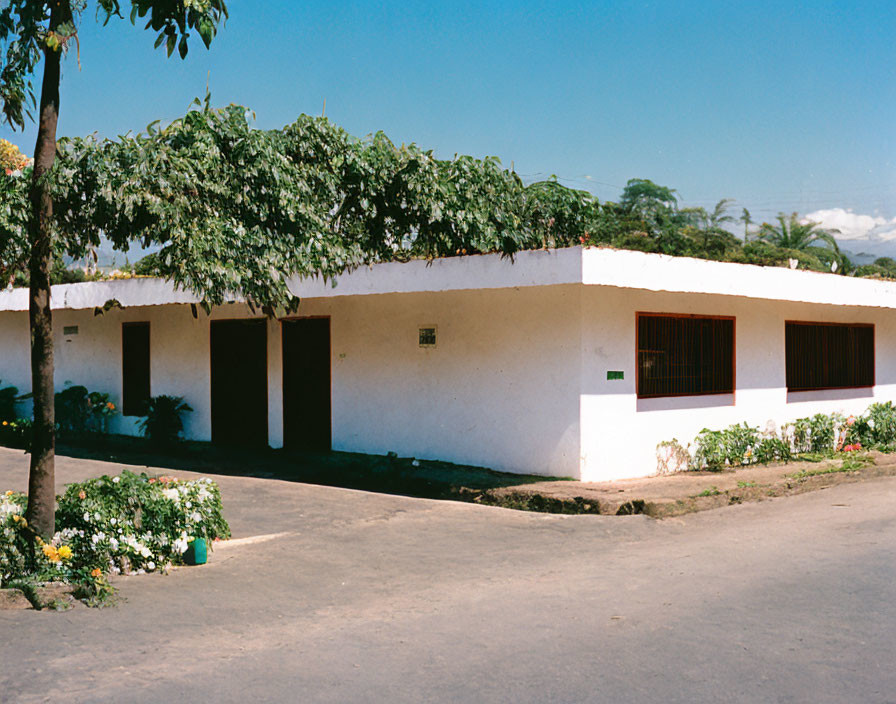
590	266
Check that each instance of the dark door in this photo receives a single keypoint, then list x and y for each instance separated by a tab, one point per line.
306	384
239	363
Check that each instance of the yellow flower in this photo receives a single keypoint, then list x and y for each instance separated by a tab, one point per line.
96	573
82	494
51	553
9	493
5	422
65	552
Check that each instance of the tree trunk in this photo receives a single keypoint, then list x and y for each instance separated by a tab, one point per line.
42	479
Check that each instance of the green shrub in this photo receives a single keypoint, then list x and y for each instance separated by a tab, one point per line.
734	446
710	453
820	433
9	397
164	423
79	411
879	427
772	449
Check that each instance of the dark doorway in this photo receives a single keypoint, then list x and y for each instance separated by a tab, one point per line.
239	369
306	384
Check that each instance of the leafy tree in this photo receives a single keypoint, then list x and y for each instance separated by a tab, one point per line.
649	200
31	30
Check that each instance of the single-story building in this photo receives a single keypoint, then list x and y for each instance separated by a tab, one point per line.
573	362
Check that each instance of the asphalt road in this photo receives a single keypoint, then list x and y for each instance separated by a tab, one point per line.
332	595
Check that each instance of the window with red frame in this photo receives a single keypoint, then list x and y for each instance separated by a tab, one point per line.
684	355
829	356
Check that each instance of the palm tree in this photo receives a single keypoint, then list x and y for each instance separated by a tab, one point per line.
719	216
791	233
747	220
704	220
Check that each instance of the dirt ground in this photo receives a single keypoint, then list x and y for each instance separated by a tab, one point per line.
677	494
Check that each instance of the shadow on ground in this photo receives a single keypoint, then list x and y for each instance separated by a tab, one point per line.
387	474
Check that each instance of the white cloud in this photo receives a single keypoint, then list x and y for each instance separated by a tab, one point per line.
854	226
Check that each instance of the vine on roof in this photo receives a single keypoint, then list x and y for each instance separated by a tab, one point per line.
237	209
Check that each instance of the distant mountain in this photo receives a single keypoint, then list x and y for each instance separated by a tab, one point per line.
866	251
109	259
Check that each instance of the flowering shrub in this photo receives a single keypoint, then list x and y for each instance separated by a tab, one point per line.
127	523
16	433
742	444
12	546
80	411
20	555
134	521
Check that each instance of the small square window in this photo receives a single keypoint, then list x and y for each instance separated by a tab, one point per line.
427	337
70	330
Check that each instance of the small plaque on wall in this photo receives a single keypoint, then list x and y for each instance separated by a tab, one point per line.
427	336
615	375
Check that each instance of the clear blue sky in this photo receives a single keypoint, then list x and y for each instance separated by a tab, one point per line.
781	105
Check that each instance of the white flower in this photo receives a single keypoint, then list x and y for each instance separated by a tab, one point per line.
113	543
196	517
86	516
170	494
150	566
144	551
112	521
189	505
180	545
115	480
96	516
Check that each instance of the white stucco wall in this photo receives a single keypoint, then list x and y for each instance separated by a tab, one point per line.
500	388
518	379
179	356
620	432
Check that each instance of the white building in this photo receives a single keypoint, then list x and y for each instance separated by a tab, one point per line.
524	366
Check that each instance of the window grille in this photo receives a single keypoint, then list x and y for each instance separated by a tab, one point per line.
829	355
684	355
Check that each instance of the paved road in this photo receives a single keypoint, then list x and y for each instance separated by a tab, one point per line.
331	595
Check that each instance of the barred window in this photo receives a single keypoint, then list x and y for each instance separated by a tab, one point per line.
684	355
829	355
